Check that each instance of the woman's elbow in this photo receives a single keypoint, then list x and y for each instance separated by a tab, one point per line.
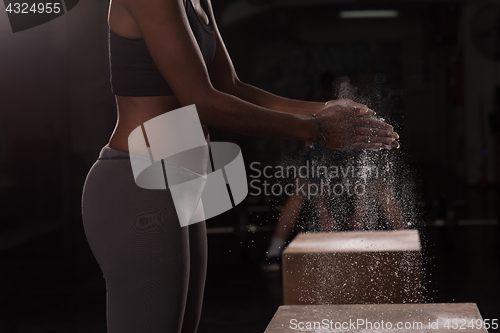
207	103
198	96
228	85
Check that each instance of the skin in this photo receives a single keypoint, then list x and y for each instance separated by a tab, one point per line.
221	99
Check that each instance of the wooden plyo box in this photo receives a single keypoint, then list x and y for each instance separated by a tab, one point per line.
363	267
407	318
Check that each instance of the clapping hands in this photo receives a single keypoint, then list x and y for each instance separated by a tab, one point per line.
350	125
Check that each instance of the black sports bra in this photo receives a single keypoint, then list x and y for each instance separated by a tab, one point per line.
132	69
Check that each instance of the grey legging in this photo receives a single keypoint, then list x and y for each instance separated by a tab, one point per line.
154	269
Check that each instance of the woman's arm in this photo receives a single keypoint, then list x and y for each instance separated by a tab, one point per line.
224	78
263	98
173	47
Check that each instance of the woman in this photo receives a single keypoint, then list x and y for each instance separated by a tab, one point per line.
166	54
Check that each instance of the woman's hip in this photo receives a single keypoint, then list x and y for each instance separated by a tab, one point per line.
118	215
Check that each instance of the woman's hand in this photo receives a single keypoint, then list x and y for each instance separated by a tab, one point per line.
350	125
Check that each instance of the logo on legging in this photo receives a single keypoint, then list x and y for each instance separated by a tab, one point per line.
170	151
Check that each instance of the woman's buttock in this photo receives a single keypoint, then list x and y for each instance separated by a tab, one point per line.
135	111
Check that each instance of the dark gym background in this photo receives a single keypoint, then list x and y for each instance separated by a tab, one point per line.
440	58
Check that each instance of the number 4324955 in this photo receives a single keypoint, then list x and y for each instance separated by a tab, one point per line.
462	324
40	8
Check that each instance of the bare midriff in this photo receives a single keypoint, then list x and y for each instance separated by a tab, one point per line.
134	111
